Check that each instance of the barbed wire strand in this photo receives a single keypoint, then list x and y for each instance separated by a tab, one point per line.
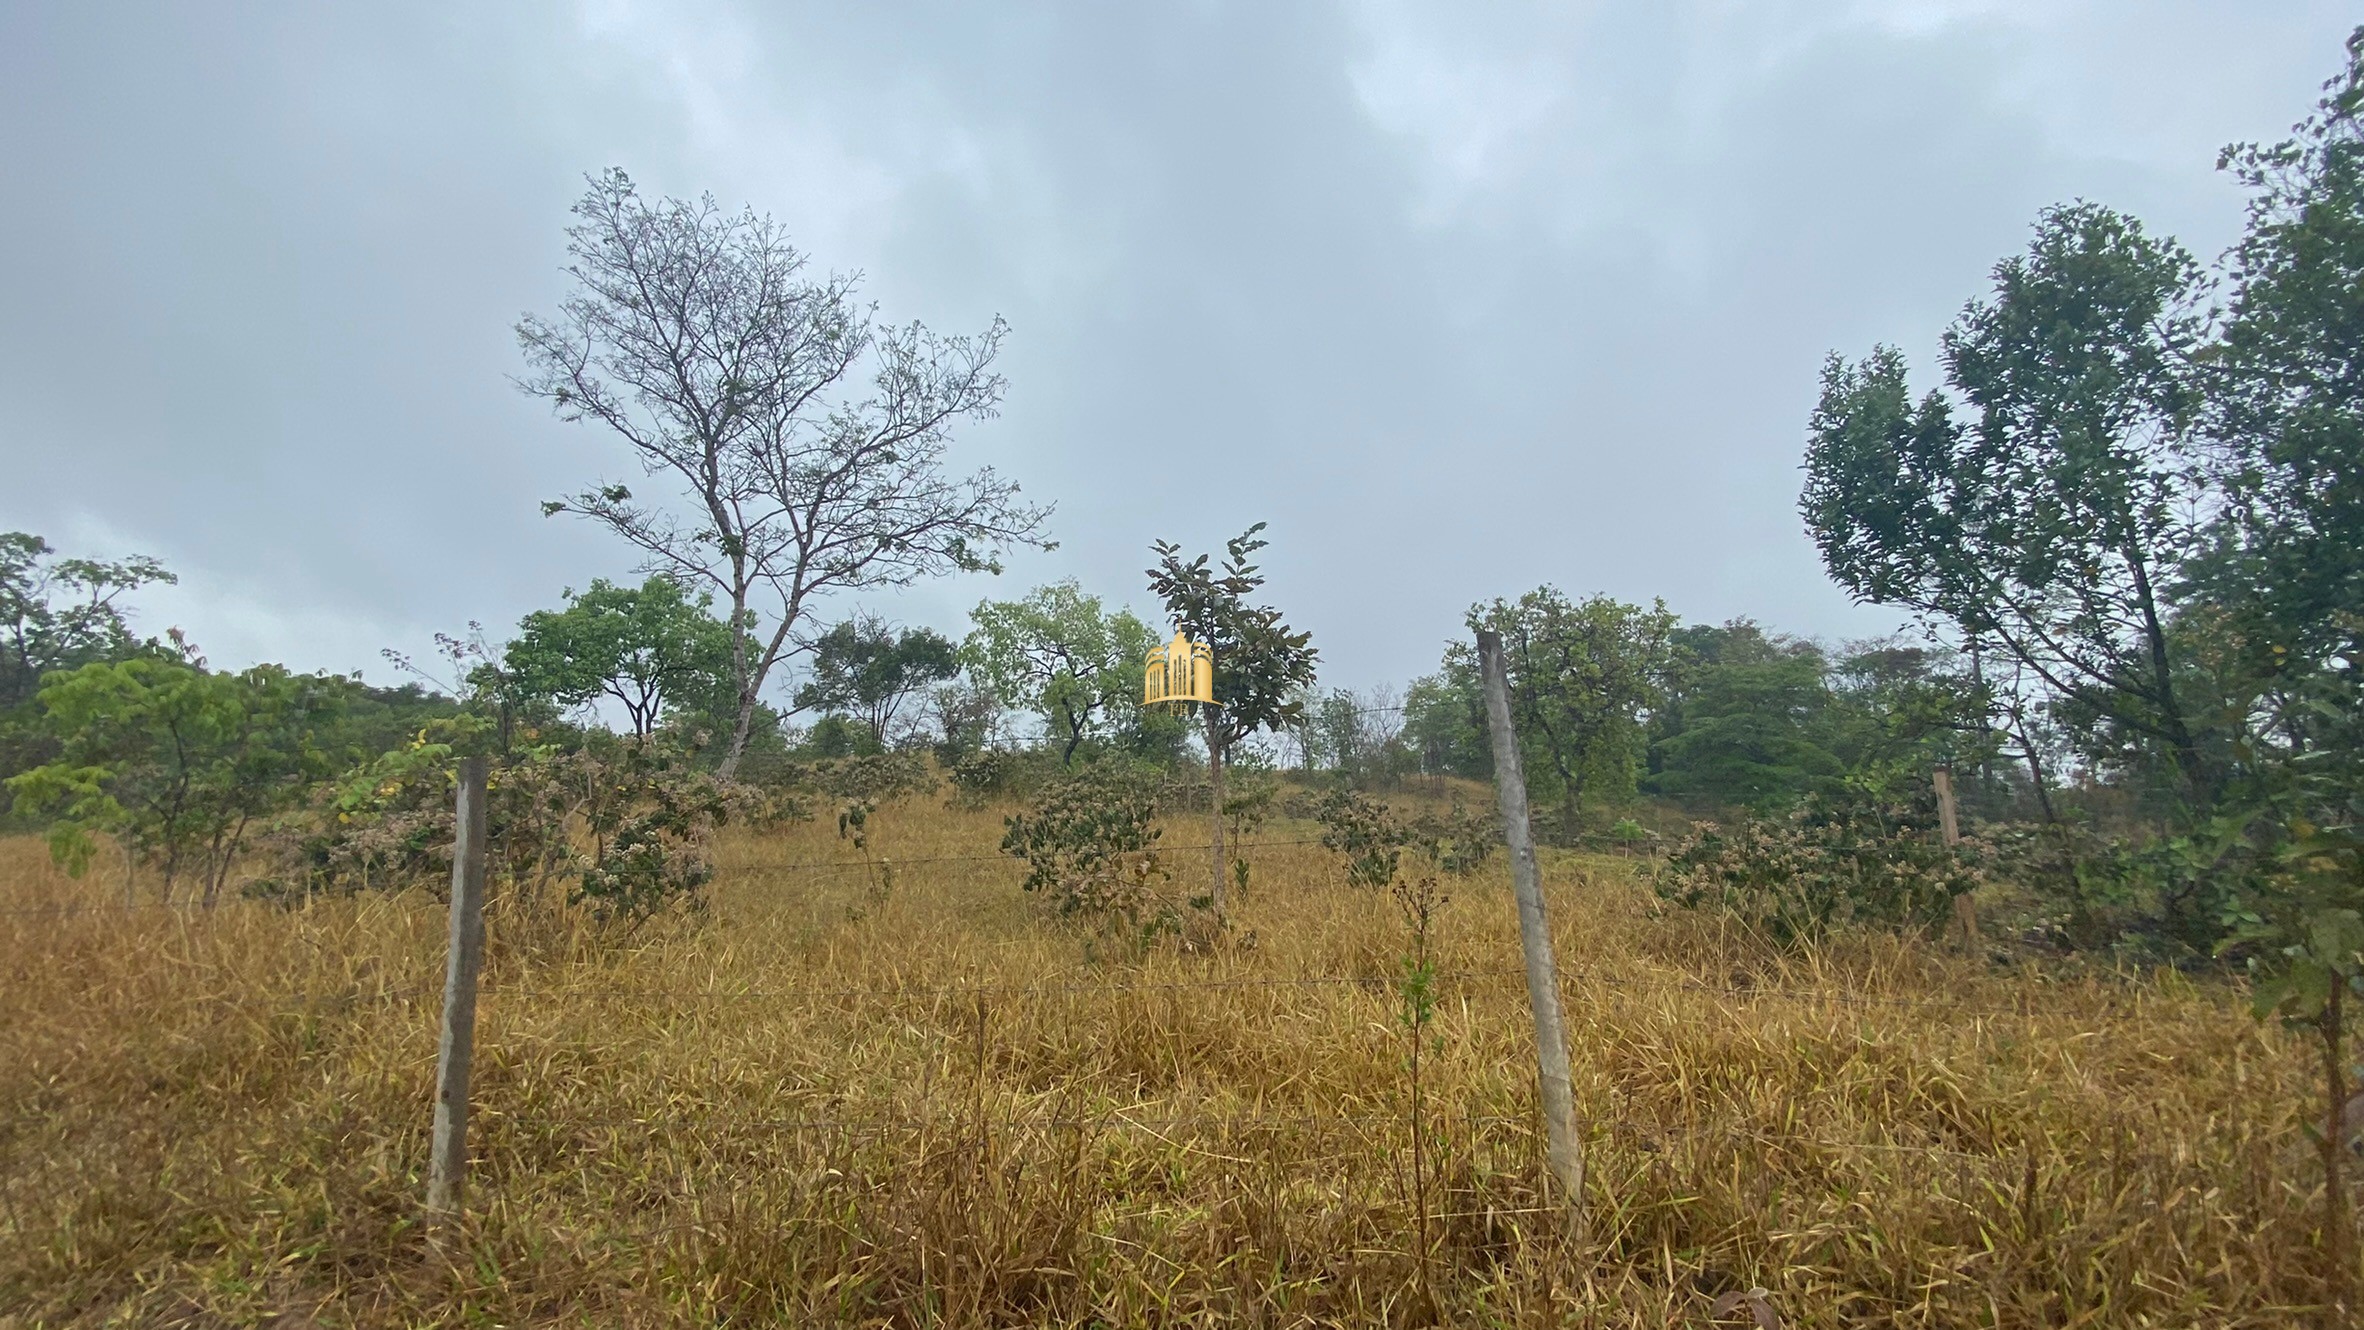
1578	974
801	866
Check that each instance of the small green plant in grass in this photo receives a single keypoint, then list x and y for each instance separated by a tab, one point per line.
1247	805
1362	830
1416	989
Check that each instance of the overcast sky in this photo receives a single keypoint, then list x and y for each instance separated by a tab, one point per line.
1459	298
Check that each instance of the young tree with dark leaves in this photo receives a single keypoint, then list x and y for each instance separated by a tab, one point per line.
865	668
650	648
806	442
1262	667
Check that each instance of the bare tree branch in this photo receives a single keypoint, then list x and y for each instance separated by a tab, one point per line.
805	442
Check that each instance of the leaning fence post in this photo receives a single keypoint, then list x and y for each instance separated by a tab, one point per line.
454	1056
1564	1150
1949	831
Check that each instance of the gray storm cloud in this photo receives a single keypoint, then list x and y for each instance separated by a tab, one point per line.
1461	300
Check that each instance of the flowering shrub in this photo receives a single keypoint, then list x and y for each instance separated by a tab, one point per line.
1091	850
626	826
1821	871
1373	838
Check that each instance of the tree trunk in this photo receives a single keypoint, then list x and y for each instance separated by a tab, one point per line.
2179	734
738	749
1215	898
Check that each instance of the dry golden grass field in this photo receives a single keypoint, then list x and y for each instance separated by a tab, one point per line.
829	1104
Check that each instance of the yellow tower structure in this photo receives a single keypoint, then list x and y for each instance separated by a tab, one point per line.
1180	675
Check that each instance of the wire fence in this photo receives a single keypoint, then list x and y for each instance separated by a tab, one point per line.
807	867
1191	1131
2027	1005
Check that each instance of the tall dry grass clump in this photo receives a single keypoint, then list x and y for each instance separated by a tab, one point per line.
900	1093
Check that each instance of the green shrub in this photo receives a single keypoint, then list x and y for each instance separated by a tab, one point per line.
1091	850
1373	838
998	773
625	825
1806	876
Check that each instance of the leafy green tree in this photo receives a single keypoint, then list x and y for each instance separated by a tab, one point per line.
2278	597
2052	523
56	614
1899	710
807	443
1063	656
1359	736
1262	666
1582	676
2285	577
373	719
2300	857
60	614
1445	720
866	669
178	760
1747	720
650	648
962	718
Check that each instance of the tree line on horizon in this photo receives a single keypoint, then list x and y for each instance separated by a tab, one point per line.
2125	533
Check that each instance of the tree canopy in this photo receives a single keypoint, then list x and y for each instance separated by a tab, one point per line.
179	760
1262	666
2052	523
62	613
866	668
650	648
1583	676
1060	654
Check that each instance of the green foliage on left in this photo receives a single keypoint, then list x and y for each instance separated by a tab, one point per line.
57	613
61	614
178	761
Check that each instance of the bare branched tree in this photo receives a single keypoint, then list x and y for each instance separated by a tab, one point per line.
806	440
